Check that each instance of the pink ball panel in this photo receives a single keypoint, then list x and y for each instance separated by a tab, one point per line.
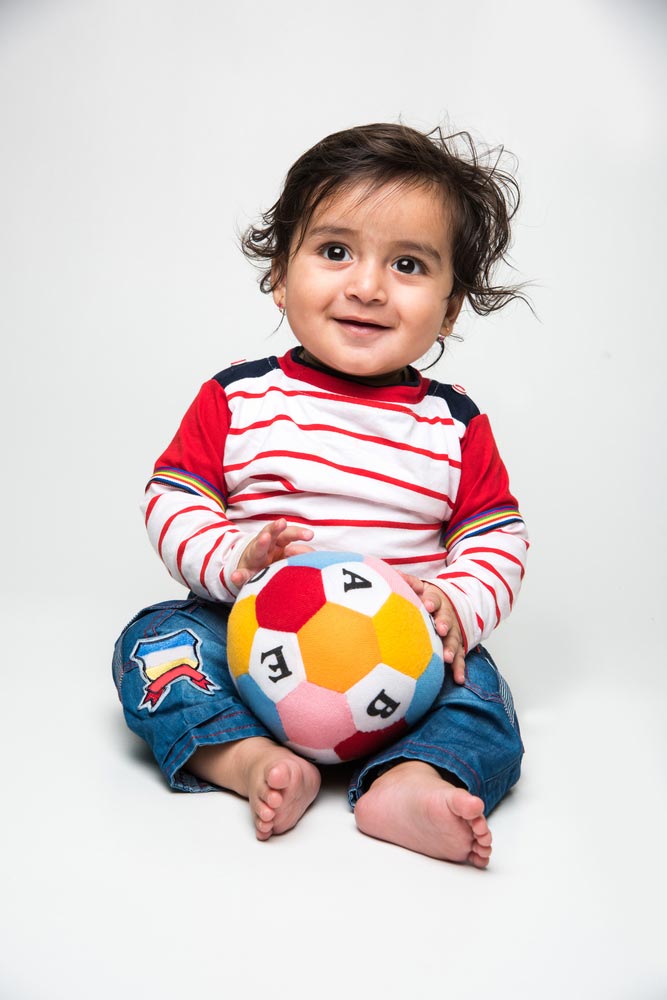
315	717
395	580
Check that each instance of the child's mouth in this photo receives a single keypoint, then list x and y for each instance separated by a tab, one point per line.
361	325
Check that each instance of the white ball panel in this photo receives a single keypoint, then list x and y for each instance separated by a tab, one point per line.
380	698
275	663
355	585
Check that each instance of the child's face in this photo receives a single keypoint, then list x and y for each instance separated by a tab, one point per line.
369	289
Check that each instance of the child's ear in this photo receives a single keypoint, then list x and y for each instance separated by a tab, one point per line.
453	309
279	294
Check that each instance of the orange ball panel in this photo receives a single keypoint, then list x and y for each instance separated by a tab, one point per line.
240	634
403	636
339	647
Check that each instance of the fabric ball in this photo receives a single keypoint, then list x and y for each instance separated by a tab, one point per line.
334	653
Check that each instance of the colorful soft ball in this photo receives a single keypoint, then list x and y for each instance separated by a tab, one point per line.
334	653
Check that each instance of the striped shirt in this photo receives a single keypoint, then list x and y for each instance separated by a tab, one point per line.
409	473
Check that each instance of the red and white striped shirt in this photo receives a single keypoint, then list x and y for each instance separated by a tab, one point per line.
409	473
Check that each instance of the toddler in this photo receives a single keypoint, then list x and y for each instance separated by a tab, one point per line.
379	236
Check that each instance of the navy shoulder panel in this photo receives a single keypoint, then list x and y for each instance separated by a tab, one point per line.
246	369
460	404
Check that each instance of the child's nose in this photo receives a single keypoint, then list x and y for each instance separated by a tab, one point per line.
366	282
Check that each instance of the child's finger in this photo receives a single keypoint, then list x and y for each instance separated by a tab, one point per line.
444	623
256	553
294	534
291	542
417	585
240	576
273	531
297	549
459	668
454	657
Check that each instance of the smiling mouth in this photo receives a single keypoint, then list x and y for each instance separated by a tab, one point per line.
361	324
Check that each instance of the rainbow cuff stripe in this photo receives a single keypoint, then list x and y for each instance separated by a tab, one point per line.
481	523
189	483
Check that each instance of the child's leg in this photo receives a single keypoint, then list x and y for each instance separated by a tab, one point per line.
430	791
414	806
279	785
170	668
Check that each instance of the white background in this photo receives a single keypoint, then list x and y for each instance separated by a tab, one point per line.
136	138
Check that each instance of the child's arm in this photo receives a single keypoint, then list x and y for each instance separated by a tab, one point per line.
185	508
486	543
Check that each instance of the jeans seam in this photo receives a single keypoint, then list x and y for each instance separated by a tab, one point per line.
415	747
187	750
484	693
508	767
463	763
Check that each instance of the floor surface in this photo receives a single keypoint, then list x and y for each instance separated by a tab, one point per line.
111	879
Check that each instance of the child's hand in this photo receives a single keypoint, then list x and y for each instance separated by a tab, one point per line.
446	624
276	541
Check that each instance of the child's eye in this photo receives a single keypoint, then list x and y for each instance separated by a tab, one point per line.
408	265
335	252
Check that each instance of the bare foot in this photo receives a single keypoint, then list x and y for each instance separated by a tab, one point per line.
412	806
282	786
279	785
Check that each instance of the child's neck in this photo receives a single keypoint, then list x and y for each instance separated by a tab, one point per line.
403	377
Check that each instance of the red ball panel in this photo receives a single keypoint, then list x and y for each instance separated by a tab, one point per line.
290	598
363	744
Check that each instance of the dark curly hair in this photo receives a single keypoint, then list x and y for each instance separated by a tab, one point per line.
482	199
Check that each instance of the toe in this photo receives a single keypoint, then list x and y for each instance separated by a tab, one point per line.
481	830
264	812
467	806
483	852
272	798
263	829
279	776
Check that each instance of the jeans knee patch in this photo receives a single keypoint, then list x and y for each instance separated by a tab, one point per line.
149	629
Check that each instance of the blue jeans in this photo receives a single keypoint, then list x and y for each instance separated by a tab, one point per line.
170	669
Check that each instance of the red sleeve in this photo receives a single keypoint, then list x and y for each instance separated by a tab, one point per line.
184	503
486	539
194	460
483	497
484	480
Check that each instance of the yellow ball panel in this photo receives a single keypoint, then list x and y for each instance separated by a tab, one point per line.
240	634
338	646
403	636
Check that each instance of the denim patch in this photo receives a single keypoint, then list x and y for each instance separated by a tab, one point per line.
166	659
